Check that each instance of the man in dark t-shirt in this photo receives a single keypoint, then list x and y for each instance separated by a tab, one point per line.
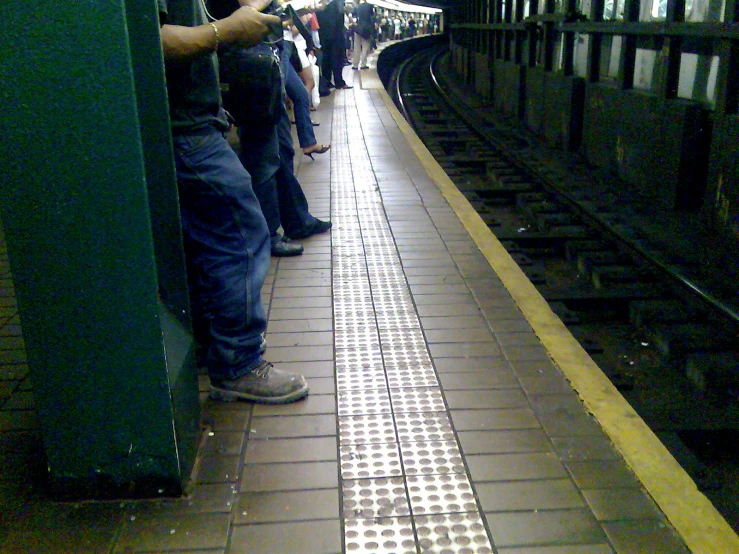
227	244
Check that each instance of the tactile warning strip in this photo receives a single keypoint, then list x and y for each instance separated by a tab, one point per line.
453	533
381	535
404	484
370	498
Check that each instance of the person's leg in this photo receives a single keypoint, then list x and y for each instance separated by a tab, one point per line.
227	252
365	48
324	87
297	221
292	204
359	41
227	249
297	92
324	61
337	65
260	156
306	75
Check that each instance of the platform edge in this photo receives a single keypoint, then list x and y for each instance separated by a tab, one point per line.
694	517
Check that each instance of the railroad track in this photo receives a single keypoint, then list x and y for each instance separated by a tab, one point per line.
669	345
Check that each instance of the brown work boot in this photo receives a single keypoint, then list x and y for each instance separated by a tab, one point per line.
263	385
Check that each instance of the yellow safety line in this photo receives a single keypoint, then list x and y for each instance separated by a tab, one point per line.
702	528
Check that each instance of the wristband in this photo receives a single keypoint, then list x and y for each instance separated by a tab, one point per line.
218	36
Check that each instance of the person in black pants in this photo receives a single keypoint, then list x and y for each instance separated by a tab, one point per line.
268	155
263	153
331	31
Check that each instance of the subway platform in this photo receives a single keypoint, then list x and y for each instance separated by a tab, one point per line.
450	411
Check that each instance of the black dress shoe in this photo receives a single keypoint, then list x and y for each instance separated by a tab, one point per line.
318	228
284	249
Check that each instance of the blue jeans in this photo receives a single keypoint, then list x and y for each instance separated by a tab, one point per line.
297	92
260	156
296	219
269	161
227	250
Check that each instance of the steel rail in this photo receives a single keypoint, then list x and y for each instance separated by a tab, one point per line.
681	280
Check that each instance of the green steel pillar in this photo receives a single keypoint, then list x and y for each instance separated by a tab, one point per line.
89	204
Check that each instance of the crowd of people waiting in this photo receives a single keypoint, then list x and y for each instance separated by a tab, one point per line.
366	24
250	56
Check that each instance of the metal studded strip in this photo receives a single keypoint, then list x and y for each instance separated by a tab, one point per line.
404	484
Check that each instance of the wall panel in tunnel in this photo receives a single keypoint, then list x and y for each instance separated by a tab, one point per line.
654	143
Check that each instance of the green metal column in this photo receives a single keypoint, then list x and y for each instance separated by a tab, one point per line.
89	204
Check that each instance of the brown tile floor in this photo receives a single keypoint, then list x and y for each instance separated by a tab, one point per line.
436	422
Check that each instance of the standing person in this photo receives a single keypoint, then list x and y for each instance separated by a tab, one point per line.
297	92
315	60
386	28
365	24
302	49
279	193
227	244
396	27
299	95
255	107
349	24
331	22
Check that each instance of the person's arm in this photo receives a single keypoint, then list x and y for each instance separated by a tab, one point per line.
246	26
